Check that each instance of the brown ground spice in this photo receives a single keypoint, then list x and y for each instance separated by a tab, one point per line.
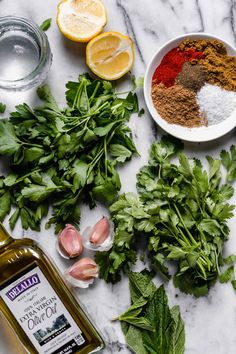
192	76
177	105
221	67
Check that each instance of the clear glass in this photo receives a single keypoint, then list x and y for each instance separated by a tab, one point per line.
25	54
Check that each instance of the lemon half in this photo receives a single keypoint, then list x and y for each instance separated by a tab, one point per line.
110	55
81	20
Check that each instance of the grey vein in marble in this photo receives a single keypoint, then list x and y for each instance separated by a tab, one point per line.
129	27
211	321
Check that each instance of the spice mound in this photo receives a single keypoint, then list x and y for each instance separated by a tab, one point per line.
177	105
195	84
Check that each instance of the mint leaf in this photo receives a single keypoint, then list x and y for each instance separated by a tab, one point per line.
165	331
159	316
140	285
133	336
178	336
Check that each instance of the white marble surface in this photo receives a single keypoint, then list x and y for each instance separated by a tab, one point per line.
210	321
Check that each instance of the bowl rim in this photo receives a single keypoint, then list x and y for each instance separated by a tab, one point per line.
197	134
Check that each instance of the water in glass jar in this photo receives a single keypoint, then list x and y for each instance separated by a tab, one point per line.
19	55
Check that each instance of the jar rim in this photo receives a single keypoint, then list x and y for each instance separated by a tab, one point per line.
45	52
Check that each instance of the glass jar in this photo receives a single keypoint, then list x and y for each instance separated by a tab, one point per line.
25	54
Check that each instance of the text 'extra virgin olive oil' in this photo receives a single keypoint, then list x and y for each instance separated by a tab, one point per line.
38	304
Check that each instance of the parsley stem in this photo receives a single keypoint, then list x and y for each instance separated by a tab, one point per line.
202	270
83	119
105	153
183	223
94	92
26	175
184	237
29	144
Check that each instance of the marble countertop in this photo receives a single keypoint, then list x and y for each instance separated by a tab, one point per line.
210	321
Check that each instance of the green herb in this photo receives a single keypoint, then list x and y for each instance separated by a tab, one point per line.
149	325
181	212
60	157
228	159
230	259
137	83
2	107
46	24
233	282
228	275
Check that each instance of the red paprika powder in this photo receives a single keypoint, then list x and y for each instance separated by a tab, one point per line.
172	64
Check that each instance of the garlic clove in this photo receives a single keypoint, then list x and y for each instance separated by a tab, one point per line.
82	273
69	242
100	231
100	236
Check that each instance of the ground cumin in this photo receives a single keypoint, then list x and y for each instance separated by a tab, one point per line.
220	66
177	105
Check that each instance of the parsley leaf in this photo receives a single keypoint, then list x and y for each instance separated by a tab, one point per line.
181	212
228	275
2	107
9	143
228	159
46	24
62	157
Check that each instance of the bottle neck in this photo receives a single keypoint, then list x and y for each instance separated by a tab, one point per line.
5	238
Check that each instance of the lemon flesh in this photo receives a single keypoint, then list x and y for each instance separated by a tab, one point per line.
81	20
110	55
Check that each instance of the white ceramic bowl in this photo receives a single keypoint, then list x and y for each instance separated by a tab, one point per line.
199	134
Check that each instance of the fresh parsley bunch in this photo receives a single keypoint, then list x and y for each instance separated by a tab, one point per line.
181	212
58	157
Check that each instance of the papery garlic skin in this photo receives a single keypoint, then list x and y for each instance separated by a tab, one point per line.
82	273
100	232
78	283
70	242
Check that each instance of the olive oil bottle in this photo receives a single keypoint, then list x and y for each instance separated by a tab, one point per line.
38	304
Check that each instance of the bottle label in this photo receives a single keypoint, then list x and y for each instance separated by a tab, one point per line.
41	313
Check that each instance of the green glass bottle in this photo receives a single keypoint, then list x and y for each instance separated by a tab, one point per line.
38	304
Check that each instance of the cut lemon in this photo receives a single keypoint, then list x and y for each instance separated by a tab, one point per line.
81	20
110	55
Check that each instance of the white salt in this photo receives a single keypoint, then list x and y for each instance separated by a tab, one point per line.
216	103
